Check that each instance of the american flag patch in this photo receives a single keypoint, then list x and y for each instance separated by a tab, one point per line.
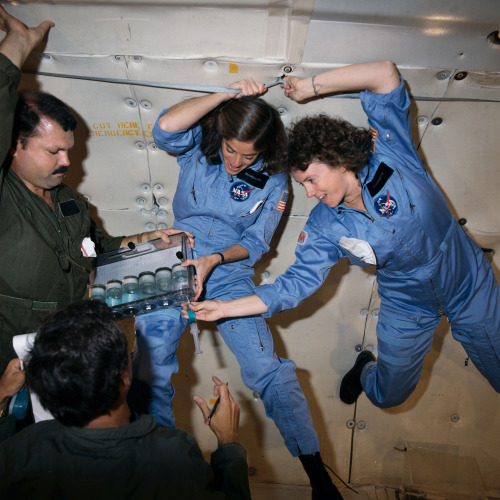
302	237
374	134
282	203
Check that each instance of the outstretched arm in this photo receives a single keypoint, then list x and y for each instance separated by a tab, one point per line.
212	310
380	77
186	113
20	40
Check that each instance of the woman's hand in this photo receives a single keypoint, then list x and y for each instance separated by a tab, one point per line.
248	87
298	89
208	310
203	266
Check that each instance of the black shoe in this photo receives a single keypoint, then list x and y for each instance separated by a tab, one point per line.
321	482
350	387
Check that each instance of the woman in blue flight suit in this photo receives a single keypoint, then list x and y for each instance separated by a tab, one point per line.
230	196
381	207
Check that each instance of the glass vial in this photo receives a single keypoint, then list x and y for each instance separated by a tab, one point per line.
98	292
163	277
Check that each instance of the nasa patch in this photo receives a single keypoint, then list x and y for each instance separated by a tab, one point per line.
386	205
240	191
302	237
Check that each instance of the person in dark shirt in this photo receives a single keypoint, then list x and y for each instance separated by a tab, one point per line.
80	369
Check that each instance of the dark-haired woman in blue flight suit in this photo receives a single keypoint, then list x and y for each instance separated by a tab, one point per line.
230	196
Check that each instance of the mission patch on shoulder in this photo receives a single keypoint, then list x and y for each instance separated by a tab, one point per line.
302	237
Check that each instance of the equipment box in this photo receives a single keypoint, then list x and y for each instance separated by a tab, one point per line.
145	277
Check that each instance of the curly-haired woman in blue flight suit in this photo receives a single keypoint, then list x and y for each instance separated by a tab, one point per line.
230	195
378	206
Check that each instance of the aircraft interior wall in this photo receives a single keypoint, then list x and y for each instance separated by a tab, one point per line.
444	441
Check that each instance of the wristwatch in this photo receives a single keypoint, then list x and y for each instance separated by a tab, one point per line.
4	412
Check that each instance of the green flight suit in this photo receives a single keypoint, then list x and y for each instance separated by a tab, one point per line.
41	263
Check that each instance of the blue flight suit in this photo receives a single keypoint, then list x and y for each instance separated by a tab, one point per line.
426	264
221	210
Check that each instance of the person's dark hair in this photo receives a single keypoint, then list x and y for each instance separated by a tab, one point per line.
75	364
31	107
332	141
248	119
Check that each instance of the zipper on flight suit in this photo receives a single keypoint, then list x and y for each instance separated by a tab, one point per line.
217	209
412	206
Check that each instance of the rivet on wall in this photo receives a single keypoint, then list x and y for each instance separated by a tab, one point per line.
287	69
211	65
118	58
461	75
136	59
152	146
361	425
455	417
422	120
140	145
47	57
132	103
443	75
145	104
150	226
163	202
437	121
162	225
146	187
141	201
158	187
350	424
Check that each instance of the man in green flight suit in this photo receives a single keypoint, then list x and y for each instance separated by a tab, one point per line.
46	231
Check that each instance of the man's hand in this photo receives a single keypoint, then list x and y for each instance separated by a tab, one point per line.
11	382
225	421
165	233
153	235
20	40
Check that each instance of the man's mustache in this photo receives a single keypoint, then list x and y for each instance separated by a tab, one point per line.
60	170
